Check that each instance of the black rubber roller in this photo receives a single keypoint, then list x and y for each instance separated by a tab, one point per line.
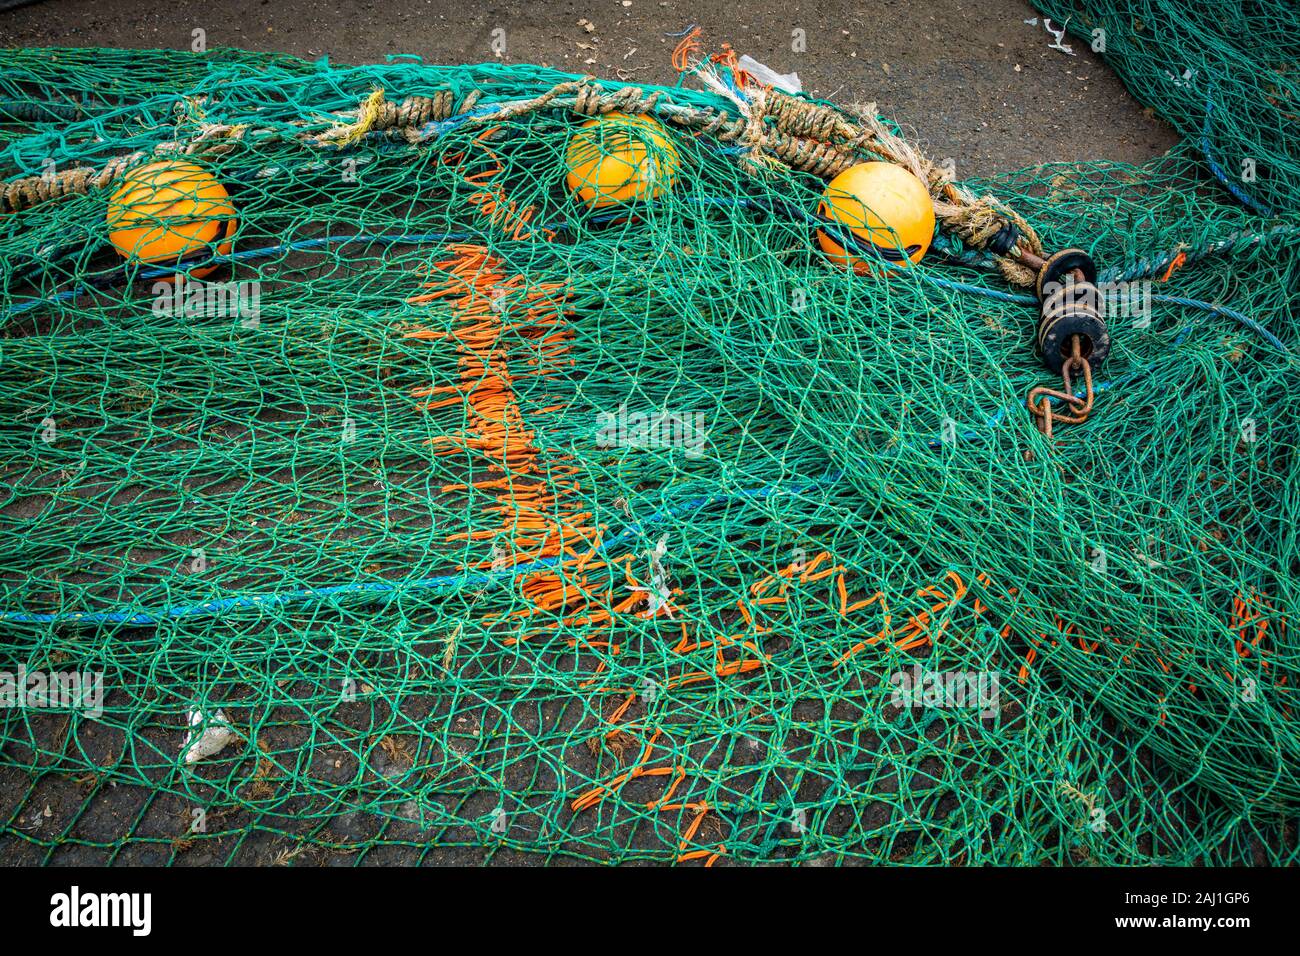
1073	309
1059	268
1004	240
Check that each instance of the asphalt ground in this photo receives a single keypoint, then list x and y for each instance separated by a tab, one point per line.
970	79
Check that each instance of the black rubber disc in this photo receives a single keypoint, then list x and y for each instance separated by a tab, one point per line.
1061	264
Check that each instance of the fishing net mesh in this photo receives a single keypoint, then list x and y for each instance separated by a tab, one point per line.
493	521
1226	75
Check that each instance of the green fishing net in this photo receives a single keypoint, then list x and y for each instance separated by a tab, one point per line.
1225	74
456	519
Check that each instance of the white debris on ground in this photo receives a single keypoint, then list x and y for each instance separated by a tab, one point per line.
658	594
208	741
765	74
1057	35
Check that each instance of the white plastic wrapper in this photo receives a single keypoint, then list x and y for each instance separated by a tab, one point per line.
765	74
209	741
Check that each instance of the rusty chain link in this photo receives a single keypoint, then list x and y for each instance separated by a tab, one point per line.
1040	397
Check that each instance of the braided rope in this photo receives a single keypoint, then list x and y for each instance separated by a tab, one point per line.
804	135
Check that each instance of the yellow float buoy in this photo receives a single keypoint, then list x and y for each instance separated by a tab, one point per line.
169	211
884	205
617	158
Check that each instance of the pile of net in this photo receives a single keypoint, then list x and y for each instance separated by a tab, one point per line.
1225	74
476	522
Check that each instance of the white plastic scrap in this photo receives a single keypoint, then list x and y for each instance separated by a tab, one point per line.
210	740
765	74
1058	36
658	595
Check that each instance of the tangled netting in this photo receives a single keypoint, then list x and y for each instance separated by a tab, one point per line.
494	522
1225	74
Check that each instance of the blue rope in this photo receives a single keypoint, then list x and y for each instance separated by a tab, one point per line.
1233	314
1218	171
249	254
844	235
442	582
